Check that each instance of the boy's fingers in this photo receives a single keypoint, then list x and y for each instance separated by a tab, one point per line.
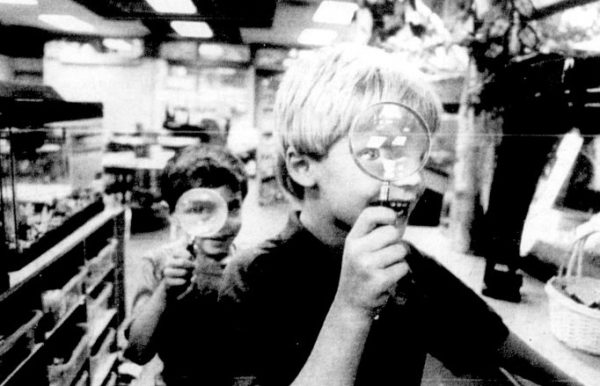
176	282
390	255
173	272
397	271
371	218
380	237
179	248
181	254
181	263
369	247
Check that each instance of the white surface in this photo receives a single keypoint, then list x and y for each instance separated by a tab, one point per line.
528	319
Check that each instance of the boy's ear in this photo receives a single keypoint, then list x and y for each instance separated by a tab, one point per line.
300	168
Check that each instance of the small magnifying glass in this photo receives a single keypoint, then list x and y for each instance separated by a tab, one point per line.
389	142
199	212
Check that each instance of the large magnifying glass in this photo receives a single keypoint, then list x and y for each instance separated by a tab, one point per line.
390	142
199	212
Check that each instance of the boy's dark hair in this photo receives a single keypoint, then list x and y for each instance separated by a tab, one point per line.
202	165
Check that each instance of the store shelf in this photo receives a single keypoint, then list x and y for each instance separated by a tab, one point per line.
103	371
83	379
37	266
104	346
17	259
61	264
112	381
11	378
71	364
65	320
100	325
24	105
101	279
30	363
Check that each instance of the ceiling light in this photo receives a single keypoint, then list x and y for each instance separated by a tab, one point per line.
335	12
67	23
173	6
317	37
19	2
192	29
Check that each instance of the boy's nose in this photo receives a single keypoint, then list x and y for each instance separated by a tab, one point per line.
232	224
413	180
408	188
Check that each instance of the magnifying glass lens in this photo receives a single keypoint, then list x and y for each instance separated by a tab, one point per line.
389	141
200	212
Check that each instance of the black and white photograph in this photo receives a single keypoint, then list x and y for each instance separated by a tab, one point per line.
299	192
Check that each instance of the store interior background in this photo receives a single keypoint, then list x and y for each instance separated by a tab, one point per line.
160	91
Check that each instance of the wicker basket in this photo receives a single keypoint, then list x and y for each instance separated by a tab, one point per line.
572	322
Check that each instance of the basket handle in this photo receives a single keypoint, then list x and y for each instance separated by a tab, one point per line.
575	261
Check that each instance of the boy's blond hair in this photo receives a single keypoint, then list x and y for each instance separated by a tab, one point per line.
321	94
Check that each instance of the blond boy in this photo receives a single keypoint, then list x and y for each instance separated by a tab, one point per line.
339	298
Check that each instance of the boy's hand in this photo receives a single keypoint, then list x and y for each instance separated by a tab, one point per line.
178	270
373	261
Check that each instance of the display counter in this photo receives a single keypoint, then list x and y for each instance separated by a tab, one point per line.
128	160
135	181
68	304
528	319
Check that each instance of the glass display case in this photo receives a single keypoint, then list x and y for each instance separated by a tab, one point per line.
50	156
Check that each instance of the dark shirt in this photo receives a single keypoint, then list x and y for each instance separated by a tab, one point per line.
278	297
190	344
189	338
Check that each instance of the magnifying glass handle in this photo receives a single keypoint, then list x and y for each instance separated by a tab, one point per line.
189	288
384	192
190	248
384	195
187	291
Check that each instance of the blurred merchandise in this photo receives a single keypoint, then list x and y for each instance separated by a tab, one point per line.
98	307
267	82
56	303
135	182
269	191
243	142
100	265
50	159
101	356
79	286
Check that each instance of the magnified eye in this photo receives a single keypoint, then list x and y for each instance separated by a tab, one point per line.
389	141
201	208
368	154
